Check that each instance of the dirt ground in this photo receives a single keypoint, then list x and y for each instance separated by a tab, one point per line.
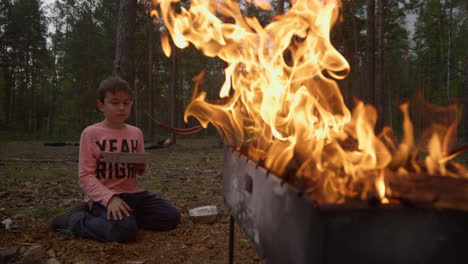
40	181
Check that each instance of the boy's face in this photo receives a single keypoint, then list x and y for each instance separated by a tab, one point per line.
116	107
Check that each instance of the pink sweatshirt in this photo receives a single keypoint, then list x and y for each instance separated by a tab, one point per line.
100	179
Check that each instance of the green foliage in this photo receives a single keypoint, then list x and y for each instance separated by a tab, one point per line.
45	212
441	26
397	52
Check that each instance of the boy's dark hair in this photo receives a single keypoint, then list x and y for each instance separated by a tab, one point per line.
113	84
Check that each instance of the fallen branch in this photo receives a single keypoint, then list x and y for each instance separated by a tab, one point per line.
60	144
182	131
37	160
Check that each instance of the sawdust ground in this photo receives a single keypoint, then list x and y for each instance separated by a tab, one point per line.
187	174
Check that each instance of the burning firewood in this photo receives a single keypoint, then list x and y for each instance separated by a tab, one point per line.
428	190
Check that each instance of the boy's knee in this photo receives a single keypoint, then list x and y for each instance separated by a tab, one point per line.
163	220
173	217
123	231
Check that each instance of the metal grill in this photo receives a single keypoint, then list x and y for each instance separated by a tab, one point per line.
287	228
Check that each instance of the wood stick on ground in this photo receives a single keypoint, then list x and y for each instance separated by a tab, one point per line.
37	160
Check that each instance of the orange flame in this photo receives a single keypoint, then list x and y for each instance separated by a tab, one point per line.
279	98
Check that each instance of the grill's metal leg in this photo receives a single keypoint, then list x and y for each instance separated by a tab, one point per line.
231	240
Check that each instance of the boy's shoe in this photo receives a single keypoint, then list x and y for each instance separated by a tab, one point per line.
61	223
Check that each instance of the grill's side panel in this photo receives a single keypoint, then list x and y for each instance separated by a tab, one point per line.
283	227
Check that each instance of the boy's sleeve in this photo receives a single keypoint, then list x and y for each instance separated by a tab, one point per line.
88	159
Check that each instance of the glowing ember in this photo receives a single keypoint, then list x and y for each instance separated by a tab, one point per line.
284	106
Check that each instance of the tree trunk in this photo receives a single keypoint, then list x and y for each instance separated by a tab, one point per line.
34	94
449	50
174	87
356	80
465	92
88	71
12	97
280	9
441	22
369	94
124	46
53	108
27	98
465	99
125	41
181	72
7	74
156	92
151	125
382	109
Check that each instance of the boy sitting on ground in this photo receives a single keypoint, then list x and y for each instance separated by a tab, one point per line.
115	206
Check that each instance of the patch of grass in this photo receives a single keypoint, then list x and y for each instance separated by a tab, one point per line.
46	213
152	186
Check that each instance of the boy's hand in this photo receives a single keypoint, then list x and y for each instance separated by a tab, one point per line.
140	168
117	208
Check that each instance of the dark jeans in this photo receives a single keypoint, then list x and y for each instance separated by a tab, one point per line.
149	211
